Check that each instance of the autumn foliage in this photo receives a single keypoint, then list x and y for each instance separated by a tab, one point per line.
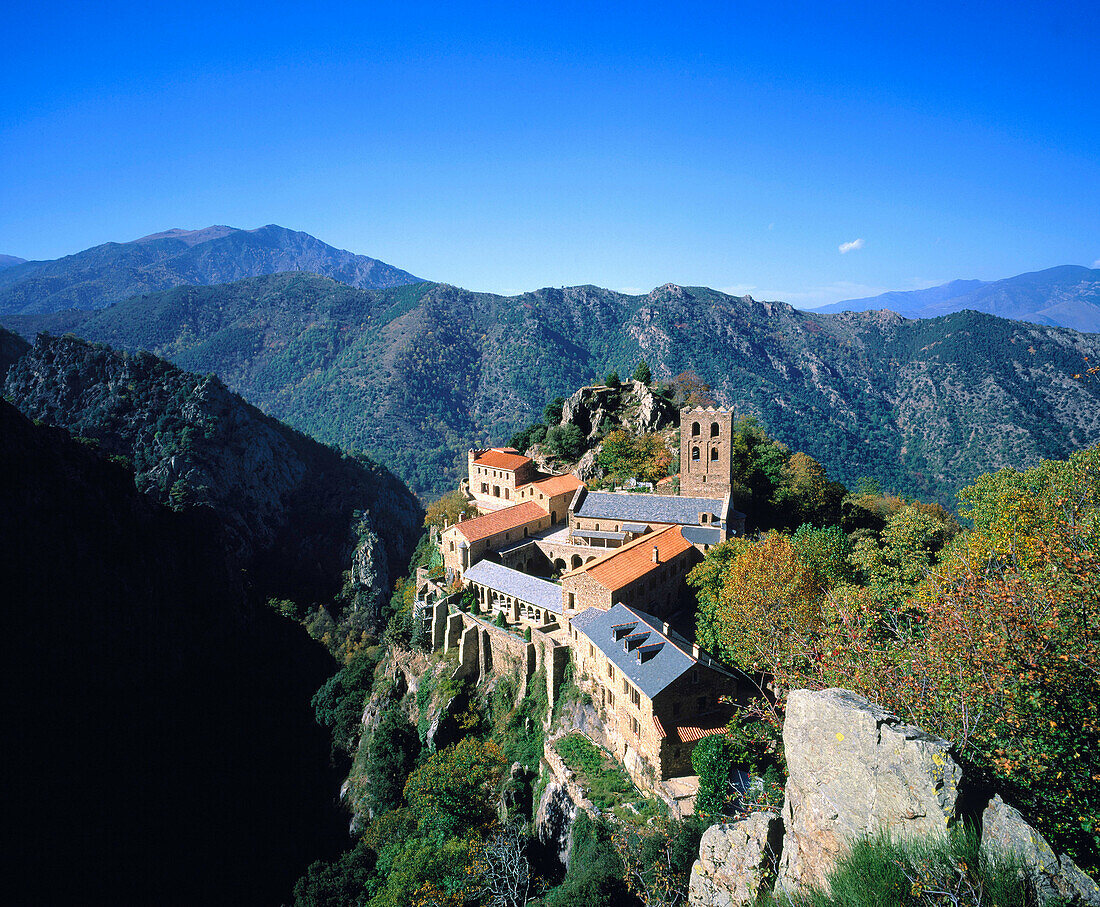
989	637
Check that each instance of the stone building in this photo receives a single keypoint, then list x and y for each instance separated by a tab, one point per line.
647	573
706	452
495	474
660	693
552	494
468	541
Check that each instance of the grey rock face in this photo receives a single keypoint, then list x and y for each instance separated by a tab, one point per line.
736	861
557	810
855	769
1004	832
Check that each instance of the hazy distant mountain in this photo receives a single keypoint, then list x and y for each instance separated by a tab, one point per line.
111	272
1067	296
417	374
6	261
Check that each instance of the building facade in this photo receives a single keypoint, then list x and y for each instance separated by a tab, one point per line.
706	452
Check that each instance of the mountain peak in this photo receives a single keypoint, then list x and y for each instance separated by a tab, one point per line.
192	237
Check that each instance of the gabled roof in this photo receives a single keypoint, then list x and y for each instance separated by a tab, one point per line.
635	559
514	517
526	588
555	485
502	458
648	508
650	667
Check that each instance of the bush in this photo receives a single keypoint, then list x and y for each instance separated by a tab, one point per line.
928	873
595	877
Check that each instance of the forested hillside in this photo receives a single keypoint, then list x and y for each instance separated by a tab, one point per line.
302	520
417	374
113	271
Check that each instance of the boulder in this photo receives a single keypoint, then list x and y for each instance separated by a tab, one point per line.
737	861
1004	832
855	769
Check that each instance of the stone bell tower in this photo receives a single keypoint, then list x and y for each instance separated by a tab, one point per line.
706	452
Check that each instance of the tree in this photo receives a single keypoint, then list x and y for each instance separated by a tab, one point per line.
643	456
448	509
657	860
564	441
448	794
612	379
642	373
391	753
691	390
502	868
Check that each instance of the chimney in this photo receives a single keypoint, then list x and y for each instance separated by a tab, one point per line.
664	628
656	556
695	651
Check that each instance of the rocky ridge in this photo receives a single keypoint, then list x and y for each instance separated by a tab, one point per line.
298	516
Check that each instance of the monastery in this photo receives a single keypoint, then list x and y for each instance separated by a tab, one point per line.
600	576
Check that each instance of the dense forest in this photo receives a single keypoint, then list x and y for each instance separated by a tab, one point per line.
417	374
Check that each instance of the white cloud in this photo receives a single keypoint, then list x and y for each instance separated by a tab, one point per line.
631	291
740	289
846	247
1096	264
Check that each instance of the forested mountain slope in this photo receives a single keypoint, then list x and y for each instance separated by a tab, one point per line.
417	374
113	271
297	515
160	746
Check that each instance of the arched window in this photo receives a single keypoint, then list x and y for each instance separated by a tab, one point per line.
576	561
695	429
695	453
714	429
714	453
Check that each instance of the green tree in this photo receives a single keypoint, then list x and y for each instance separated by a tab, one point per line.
642	373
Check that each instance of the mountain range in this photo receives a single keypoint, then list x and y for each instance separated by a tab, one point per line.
1066	296
111	272
417	374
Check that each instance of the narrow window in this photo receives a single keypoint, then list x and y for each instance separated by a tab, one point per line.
695	429
714	429
714	453
695	453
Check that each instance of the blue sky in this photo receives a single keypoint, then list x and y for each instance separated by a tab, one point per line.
506	147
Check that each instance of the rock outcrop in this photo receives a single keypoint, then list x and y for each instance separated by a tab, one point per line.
737	861
855	769
1004	832
631	405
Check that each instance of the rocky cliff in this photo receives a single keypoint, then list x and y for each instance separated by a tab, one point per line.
303	520
858	772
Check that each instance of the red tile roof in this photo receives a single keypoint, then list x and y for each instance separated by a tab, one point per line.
553	485
691	734
502	458
513	517
635	560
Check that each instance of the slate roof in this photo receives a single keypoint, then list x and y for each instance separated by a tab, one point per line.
530	589
514	517
502	458
599	534
647	508
660	667
635	559
702	535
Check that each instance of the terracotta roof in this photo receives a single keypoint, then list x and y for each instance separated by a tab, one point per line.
553	485
502	458
635	560
691	734
518	515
